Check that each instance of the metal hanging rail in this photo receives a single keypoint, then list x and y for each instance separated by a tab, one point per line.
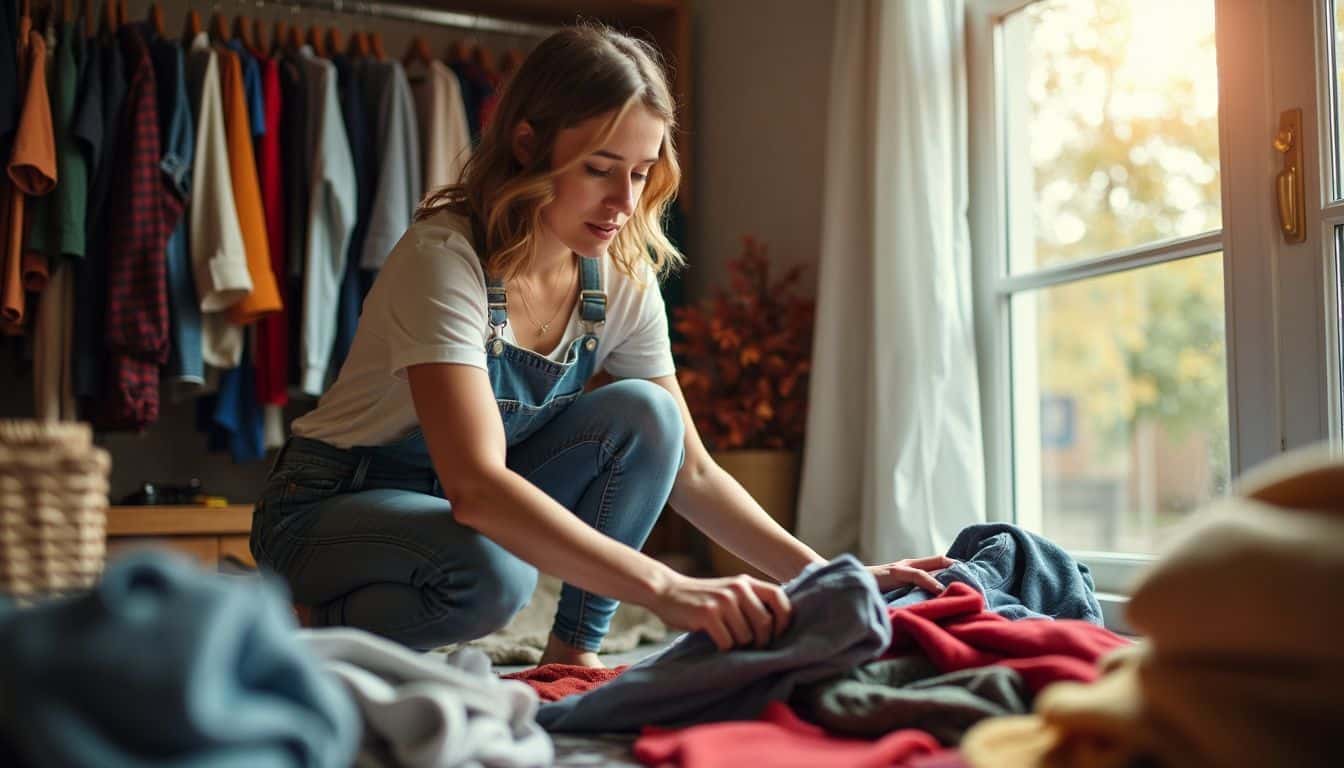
466	21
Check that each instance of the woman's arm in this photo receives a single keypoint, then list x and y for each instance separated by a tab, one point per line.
460	420
713	501
465	435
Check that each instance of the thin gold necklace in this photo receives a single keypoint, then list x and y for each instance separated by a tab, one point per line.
546	326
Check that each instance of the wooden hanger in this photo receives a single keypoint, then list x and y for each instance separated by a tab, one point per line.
219	28
482	58
278	35
334	40
122	16
110	16
63	12
294	40
191	27
376	44
315	37
457	52
359	45
156	19
510	61
242	30
258	37
418	50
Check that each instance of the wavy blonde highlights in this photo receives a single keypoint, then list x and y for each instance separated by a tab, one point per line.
575	74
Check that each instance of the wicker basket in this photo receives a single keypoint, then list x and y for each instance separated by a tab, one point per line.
53	508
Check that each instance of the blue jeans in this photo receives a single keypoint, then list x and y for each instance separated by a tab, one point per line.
365	536
1022	575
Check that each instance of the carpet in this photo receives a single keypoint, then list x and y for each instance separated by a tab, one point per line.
524	638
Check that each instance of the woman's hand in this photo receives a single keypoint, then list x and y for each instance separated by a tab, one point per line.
736	611
916	571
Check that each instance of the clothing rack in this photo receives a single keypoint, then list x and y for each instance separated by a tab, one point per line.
414	13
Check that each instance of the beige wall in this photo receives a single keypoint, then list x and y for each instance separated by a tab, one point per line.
761	74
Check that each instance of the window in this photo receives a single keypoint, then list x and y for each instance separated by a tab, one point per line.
1145	332
1333	67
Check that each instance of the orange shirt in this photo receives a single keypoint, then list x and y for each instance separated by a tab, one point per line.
31	168
265	296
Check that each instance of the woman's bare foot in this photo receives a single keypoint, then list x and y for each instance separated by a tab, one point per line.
559	652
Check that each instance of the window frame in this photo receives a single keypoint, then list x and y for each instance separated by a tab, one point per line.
1279	352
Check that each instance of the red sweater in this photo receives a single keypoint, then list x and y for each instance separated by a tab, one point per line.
956	632
780	740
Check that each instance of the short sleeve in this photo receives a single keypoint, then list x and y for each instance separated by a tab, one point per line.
646	351
430	305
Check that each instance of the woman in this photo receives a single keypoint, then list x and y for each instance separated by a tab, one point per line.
458	452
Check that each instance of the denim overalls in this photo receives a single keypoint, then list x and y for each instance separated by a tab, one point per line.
365	536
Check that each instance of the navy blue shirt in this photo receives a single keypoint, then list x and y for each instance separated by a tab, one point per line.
349	78
9	72
97	126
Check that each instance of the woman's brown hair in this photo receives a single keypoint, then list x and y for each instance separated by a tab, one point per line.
573	75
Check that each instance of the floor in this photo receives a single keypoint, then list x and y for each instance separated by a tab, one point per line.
607	751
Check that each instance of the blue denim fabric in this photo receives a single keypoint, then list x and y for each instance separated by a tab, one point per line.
839	622
366	536
232	417
1021	574
164	664
178	138
256	101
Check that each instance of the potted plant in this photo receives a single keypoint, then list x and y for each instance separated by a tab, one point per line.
744	357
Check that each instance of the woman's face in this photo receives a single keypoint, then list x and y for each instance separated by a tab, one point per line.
595	198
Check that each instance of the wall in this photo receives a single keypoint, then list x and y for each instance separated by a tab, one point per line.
762	68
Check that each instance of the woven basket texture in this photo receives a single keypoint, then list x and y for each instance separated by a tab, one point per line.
53	508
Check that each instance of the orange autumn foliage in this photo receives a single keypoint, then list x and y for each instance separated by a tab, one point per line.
744	357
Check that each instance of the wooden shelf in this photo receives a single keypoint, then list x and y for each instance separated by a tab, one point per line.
209	534
178	521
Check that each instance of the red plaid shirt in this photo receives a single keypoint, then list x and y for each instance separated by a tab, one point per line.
143	212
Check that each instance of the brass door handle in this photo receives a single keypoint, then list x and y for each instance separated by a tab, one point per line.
1288	204
1288	183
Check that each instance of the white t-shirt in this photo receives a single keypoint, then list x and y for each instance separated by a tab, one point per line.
428	306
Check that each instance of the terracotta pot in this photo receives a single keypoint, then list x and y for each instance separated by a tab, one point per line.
771	477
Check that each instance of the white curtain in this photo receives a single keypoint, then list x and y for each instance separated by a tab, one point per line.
893	465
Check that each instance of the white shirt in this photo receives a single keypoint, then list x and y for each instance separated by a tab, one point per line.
218	259
445	138
428	305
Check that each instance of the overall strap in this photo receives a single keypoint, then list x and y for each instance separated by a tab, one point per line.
592	299
497	303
